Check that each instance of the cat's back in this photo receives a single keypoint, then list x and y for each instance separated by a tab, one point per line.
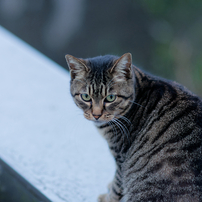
164	162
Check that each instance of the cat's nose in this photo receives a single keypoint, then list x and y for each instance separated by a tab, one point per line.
97	116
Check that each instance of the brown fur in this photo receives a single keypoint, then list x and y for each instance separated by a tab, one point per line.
153	128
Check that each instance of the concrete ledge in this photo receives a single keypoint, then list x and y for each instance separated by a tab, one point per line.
43	135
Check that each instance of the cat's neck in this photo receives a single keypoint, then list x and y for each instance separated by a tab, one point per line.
117	138
121	133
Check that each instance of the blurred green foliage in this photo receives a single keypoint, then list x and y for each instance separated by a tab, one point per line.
164	36
177	33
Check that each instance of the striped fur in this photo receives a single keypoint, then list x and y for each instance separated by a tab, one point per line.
153	129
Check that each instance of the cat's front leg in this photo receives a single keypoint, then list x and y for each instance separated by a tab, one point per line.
106	198
109	197
114	191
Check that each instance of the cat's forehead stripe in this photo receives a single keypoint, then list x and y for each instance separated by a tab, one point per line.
101	87
97	90
89	90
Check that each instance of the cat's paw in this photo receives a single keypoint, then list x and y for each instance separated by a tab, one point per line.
106	198
103	198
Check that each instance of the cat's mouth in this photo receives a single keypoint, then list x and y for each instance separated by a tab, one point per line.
98	120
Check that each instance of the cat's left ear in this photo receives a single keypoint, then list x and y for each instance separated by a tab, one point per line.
122	68
77	67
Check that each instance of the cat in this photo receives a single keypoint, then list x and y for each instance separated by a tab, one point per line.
153	127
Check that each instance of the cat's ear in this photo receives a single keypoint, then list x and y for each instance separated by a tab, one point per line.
122	68
77	67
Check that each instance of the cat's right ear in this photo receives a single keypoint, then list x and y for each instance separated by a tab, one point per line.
77	67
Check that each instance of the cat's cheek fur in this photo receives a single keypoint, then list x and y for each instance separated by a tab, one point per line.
112	107
77	86
118	108
87	115
81	104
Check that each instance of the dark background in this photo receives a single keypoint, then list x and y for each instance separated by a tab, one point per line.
164	37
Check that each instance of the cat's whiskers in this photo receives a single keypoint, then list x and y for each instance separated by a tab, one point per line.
126	120
137	104
126	129
122	127
112	123
123	117
113	128
117	124
78	112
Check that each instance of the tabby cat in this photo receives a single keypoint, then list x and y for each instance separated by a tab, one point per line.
153	128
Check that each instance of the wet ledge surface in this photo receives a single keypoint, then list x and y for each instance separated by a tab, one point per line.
44	138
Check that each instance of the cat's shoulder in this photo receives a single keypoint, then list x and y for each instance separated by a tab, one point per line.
160	81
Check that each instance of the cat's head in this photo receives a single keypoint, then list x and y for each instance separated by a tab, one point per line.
103	87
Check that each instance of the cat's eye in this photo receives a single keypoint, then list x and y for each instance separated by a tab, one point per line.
86	97
110	98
